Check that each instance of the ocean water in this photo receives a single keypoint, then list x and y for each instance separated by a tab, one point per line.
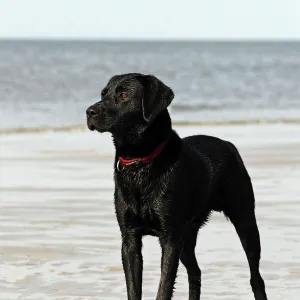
51	83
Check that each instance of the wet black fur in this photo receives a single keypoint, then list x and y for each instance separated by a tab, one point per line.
173	196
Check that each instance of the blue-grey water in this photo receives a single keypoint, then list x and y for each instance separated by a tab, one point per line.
50	83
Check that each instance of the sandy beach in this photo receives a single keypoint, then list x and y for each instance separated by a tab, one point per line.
59	238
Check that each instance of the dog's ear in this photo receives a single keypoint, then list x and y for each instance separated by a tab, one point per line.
157	97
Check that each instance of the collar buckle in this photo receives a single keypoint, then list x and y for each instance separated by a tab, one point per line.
134	163
121	166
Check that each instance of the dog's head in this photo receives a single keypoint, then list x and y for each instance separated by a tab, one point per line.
127	101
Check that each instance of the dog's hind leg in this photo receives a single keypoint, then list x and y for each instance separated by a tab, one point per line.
239	206
188	259
247	230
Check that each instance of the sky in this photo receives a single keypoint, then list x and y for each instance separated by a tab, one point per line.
151	19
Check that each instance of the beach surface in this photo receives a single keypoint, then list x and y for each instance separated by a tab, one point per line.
59	237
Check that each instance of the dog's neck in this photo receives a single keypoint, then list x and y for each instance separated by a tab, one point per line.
141	143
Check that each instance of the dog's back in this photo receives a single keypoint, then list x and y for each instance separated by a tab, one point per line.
225	168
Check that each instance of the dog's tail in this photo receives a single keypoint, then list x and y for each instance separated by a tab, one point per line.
236	152
237	156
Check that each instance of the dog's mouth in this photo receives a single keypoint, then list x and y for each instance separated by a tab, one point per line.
101	123
91	127
90	124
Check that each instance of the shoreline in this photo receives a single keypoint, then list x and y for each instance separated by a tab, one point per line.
176	123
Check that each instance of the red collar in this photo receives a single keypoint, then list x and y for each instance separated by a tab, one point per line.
128	163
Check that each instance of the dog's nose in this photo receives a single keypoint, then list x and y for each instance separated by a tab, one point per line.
91	112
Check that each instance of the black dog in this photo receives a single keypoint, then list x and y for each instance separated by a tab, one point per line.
167	187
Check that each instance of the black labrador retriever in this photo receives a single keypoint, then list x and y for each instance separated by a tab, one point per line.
167	186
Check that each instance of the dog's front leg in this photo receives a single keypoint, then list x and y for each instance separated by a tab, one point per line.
133	265
170	259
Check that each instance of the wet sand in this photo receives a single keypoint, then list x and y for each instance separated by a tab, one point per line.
59	238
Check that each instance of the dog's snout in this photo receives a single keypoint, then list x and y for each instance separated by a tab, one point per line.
91	112
95	110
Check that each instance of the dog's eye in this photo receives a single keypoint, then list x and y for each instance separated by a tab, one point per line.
124	96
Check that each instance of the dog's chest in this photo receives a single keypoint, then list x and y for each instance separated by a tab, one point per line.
145	201
144	218
143	209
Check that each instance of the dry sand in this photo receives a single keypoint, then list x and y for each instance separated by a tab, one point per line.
59	238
